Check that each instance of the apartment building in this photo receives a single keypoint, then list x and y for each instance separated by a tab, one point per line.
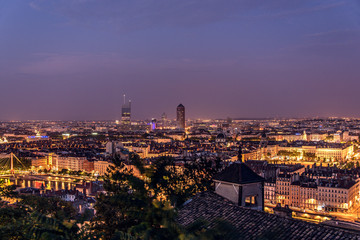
100	167
317	194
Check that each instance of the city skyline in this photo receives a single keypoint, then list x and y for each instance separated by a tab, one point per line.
179	119
73	60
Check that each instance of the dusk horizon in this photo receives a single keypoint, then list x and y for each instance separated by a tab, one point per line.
180	119
75	59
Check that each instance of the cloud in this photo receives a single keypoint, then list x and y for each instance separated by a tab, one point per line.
34	6
142	14
346	39
70	64
304	10
338	33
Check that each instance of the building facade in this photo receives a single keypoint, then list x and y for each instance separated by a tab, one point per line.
180	116
126	113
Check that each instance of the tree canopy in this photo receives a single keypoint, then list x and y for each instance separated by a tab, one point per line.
144	205
139	202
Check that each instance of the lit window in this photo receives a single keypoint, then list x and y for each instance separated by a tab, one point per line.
250	201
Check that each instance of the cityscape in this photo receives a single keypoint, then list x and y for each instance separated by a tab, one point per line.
179	120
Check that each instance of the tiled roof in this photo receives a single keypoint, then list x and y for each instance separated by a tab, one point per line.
238	173
253	224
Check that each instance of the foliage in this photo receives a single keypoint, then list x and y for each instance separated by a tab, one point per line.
50	206
143	201
6	190
289	153
23	223
35	217
309	156
140	203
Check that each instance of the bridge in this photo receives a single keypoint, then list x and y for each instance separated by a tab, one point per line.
9	160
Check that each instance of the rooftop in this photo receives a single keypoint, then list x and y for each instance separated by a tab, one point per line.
238	173
253	224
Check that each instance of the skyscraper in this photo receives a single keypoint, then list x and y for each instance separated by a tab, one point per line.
164	120
180	116
126	113
152	124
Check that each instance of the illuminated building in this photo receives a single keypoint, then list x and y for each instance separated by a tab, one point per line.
164	121
316	189
152	124
40	162
56	162
43	162
270	192
180	116
126	113
72	163
283	182
323	195
141	149
299	150
100	167
113	147
37	137
3	140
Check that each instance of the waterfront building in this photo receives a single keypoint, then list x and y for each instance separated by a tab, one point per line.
100	167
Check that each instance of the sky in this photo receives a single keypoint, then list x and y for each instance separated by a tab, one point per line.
74	59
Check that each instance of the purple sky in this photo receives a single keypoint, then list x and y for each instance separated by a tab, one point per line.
74	59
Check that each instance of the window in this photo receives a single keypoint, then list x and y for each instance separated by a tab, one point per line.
250	201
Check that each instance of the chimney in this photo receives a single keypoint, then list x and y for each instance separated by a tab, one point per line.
283	211
240	157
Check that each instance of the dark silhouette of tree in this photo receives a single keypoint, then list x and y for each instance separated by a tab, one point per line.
6	190
50	206
145	205
23	223
35	217
140	203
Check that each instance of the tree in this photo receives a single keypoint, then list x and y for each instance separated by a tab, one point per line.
35	217
50	206
7	190
309	156
23	223
64	171
145	205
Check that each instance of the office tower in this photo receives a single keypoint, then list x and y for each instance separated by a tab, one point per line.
126	113
152	124
180	116
164	117
164	120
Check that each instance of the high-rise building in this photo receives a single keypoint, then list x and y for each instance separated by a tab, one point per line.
126	113
163	117
164	120
180	116
152	124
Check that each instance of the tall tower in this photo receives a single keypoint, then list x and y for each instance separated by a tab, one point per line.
180	116
126	113
164	120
